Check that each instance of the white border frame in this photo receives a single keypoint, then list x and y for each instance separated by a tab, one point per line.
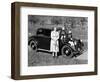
25	70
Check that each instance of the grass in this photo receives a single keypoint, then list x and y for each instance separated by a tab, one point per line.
45	59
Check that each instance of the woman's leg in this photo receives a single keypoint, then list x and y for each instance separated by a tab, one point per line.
56	54
53	54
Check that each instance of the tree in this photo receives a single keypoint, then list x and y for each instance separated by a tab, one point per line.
33	19
56	20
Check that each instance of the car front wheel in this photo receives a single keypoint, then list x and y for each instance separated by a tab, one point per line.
66	50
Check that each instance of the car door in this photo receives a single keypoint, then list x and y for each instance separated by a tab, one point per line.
44	42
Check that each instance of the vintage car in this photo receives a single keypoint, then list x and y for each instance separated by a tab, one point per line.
41	43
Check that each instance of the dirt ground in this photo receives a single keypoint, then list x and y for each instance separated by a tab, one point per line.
45	59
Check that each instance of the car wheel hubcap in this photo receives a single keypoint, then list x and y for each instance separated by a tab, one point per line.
66	51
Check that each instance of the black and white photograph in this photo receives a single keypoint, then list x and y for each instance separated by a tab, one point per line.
50	40
57	40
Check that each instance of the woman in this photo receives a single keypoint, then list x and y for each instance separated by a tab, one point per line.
63	35
54	46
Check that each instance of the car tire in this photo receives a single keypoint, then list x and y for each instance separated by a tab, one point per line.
66	50
33	44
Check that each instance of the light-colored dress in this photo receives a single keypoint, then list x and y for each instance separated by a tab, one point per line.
54	44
